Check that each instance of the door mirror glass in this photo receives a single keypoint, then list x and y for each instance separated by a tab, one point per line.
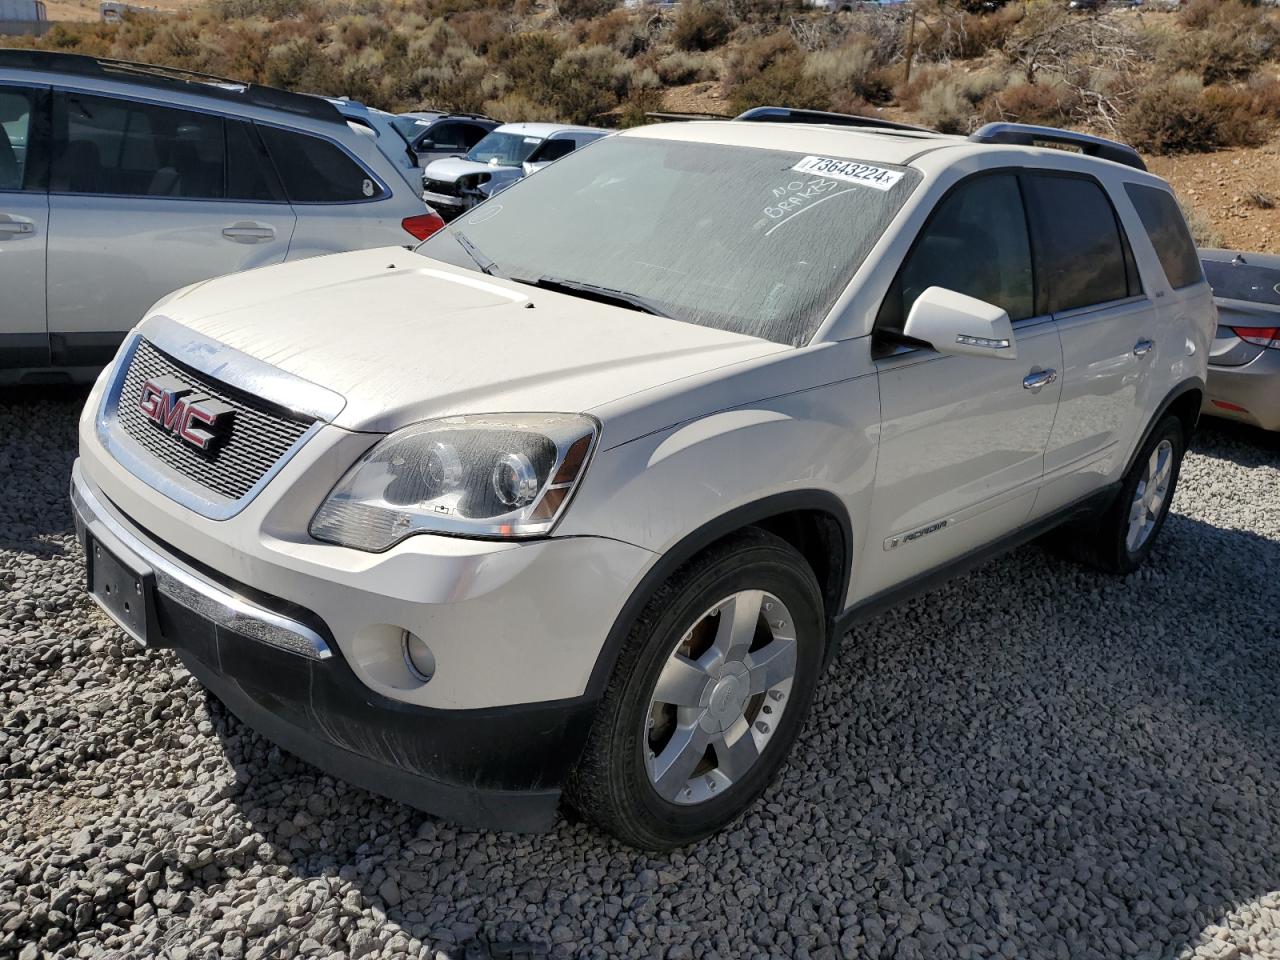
953	323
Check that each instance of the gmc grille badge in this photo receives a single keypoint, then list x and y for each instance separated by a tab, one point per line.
174	407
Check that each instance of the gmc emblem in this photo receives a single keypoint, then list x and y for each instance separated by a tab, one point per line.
174	407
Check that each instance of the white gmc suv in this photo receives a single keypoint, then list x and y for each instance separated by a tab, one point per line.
576	499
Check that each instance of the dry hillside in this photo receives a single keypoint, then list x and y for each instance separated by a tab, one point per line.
1196	90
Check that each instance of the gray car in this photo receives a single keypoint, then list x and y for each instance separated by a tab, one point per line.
1244	362
120	183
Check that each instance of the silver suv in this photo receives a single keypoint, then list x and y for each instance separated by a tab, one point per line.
120	183
580	495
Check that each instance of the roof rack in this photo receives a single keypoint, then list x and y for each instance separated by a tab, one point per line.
665	116
792	115
1027	135
168	78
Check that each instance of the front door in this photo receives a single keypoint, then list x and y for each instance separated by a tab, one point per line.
24	222
143	201
962	438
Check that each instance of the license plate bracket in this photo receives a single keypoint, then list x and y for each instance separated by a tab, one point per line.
124	586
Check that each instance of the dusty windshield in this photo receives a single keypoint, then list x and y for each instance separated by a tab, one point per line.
504	149
759	242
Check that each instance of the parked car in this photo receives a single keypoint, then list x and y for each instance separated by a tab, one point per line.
580	496
506	155
1244	361
382	126
120	183
433	135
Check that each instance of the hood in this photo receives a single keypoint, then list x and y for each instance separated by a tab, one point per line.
406	338
451	168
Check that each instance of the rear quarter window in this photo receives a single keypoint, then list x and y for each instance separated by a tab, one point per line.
1167	228
313	170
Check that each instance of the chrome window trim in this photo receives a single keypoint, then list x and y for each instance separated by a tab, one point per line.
226	365
199	595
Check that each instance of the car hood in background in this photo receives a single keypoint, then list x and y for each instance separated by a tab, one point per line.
406	338
451	168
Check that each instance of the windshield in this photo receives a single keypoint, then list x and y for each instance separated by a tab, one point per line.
1243	281
505	149
409	128
759	242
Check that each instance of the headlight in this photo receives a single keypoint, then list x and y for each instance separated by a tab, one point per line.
497	475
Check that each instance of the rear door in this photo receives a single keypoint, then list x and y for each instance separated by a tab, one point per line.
24	221
1108	328
145	199
340	204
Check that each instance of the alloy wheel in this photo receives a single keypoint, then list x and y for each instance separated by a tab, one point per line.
720	697
1149	497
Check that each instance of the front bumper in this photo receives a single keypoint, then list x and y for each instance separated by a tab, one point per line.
276	667
448	206
1250	392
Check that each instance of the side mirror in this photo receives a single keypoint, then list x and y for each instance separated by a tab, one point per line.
953	323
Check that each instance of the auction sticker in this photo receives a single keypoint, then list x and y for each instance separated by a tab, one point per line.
863	173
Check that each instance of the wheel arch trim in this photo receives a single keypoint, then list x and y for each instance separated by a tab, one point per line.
1187	386
711	532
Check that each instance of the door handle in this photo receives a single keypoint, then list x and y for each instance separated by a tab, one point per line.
249	232
1039	378
16	226
1142	347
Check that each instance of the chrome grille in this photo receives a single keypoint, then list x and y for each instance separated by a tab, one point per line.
260	433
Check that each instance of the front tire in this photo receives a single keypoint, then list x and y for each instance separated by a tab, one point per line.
1121	538
709	693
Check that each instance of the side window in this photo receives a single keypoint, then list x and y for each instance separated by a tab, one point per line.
1168	231
553	150
472	133
314	170
108	146
249	173
16	109
975	243
448	136
1086	259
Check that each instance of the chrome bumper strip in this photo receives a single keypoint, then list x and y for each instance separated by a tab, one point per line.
201	596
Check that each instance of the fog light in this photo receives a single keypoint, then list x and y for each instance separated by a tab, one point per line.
417	656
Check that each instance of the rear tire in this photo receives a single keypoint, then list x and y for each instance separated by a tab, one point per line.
1120	539
709	692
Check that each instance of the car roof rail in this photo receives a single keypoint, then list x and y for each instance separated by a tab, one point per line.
171	78
1028	135
793	115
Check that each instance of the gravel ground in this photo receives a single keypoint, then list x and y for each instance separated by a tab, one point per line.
1035	761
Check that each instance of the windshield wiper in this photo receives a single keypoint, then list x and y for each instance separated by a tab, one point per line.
484	263
591	291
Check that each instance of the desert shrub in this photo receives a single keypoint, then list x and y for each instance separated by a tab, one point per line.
584	9
638	106
1264	93
1227	40
848	70
516	108
981	33
945	108
701	25
266	9
908	93
527	59
1235	117
589	81
784	83
680	67
749	60
297	65
1182	116
1042	103
622	30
